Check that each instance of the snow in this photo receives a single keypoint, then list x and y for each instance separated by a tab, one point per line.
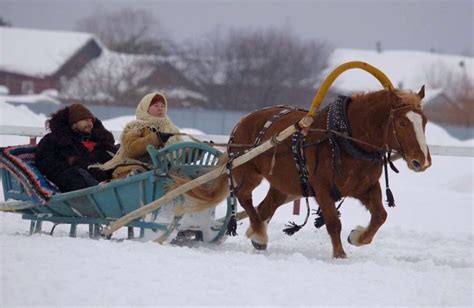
422	255
37	52
17	116
411	69
47	96
4	90
182	93
119	122
123	71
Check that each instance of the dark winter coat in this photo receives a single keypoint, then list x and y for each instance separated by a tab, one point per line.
64	160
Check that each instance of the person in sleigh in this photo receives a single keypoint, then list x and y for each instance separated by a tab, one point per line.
152	126
77	139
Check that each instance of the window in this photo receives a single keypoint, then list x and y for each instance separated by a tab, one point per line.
27	87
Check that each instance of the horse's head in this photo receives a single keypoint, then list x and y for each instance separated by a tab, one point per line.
408	123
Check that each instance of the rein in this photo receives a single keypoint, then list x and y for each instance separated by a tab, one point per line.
338	133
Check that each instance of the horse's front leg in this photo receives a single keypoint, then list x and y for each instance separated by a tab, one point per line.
333	223
372	200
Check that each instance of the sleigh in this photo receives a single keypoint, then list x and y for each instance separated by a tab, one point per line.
29	193
142	200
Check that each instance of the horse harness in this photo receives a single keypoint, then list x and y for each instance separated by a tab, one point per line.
337	130
232	225
338	133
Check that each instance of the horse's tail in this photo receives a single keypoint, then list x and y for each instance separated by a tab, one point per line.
207	195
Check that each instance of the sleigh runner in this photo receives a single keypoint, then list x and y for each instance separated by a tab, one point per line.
38	200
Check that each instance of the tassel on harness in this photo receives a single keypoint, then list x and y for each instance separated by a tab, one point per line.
232	224
306	189
292	227
335	193
388	192
319	221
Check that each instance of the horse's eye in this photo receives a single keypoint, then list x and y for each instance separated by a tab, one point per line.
402	123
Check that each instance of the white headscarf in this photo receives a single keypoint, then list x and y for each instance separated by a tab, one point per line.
144	120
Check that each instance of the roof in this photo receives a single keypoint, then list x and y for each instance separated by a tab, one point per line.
129	71
38	53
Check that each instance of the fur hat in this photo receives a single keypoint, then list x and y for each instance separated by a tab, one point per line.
78	112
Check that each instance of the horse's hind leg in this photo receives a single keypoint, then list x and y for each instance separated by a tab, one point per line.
373	202
270	203
257	229
257	232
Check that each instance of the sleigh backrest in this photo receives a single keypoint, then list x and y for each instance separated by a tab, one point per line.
186	158
20	178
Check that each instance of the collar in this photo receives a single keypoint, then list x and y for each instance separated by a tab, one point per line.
338	120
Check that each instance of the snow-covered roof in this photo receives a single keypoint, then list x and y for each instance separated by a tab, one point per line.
411	69
126	71
38	52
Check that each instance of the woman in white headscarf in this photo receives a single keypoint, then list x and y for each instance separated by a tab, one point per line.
152	126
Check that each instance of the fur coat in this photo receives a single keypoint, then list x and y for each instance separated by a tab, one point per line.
138	134
62	149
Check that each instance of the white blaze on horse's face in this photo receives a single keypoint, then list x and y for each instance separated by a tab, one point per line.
417	122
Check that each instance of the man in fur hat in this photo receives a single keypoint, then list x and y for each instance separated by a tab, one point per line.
76	141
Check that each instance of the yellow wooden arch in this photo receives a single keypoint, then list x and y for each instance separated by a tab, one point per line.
386	83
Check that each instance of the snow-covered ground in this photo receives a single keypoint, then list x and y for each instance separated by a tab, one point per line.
423	255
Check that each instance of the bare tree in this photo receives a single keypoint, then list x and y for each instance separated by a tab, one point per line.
127	31
111	79
251	69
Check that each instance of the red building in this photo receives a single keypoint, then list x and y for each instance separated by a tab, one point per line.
32	61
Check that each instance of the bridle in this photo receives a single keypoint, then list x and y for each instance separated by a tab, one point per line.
400	151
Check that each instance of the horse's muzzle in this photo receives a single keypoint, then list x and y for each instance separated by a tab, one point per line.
418	166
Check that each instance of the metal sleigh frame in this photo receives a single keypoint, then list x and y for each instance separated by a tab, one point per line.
38	201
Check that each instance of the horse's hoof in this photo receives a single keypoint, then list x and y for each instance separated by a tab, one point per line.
259	246
354	236
351	237
340	255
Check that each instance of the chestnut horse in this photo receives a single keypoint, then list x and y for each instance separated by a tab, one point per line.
386	119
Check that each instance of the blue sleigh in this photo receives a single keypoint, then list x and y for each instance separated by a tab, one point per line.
28	192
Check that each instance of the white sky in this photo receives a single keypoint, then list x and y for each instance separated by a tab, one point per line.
442	25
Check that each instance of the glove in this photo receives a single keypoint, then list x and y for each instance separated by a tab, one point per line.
164	136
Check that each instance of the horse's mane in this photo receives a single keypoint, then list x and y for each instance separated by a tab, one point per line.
405	97
409	97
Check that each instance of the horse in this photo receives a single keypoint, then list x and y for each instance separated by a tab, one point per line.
375	122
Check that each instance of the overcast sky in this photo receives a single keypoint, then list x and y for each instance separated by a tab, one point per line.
442	25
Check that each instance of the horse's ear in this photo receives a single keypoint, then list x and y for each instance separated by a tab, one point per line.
421	93
392	93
